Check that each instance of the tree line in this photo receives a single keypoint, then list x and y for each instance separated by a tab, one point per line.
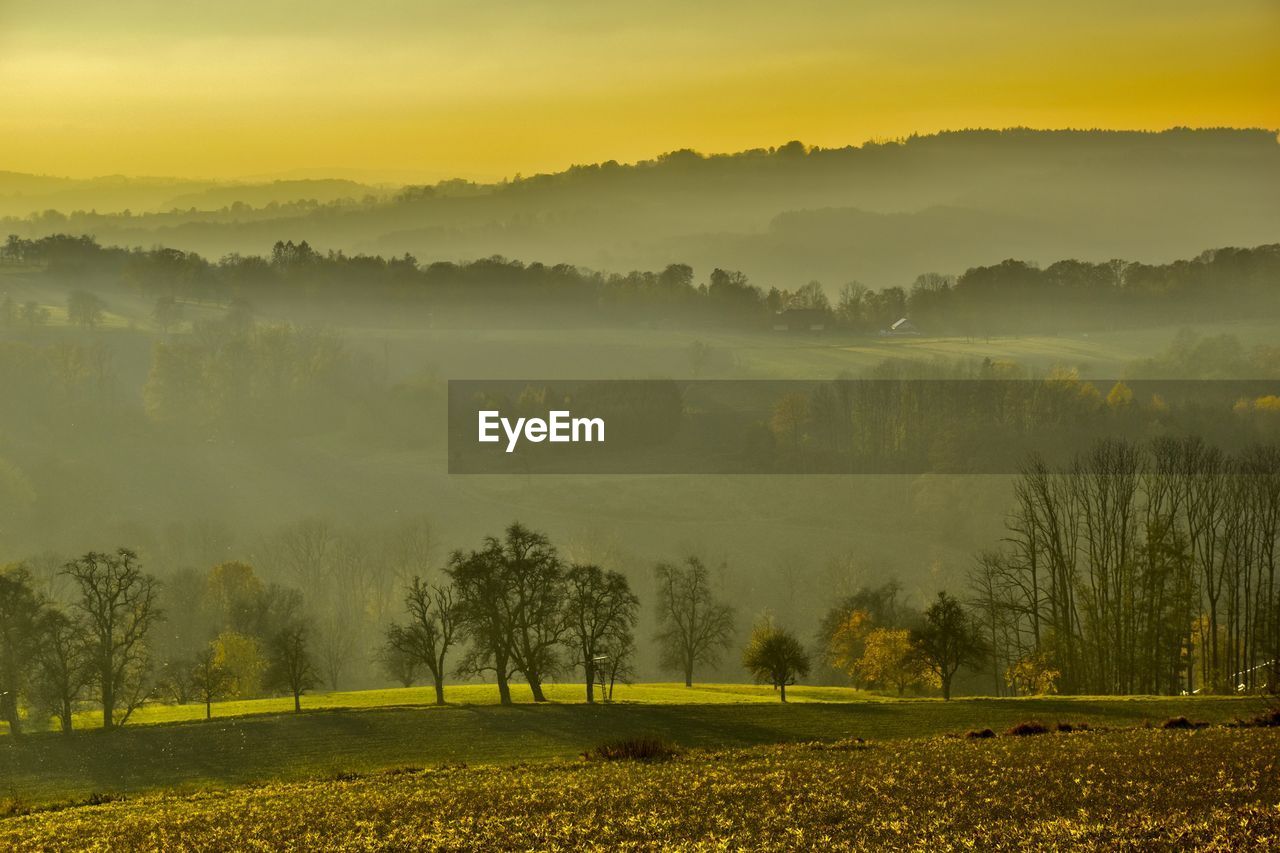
1013	296
1138	567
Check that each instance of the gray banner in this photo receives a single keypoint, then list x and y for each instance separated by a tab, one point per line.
968	426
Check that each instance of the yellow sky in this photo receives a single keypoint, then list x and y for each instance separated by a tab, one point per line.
422	90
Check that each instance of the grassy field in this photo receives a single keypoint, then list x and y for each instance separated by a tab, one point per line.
1209	789
388	730
624	694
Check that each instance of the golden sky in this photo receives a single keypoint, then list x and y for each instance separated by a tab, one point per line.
400	90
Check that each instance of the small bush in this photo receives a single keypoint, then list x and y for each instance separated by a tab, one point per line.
632	749
1182	723
980	733
1030	727
1067	728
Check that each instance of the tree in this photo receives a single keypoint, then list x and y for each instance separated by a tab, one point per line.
84	309
693	627
62	667
234	594
240	658
337	644
118	607
947	640
20	612
432	629
510	596
618	665
889	659
210	678
601	612
167	313
291	668
34	314
396	662
848	642
790	415
1032	675
173	682
844	627
774	656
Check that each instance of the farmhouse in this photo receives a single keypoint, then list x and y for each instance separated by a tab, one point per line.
902	327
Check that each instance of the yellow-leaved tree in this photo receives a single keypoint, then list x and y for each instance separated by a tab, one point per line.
888	659
845	647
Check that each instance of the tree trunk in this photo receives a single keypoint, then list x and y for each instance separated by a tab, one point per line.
535	685
9	710
504	689
208	710
439	690
946	688
297	703
590	672
66	716
688	674
784	692
108	703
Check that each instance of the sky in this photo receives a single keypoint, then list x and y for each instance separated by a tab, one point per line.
410	91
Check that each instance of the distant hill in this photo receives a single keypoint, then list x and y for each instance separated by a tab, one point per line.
22	195
878	213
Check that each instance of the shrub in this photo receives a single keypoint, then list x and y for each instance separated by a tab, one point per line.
1182	723
1030	727
1067	728
633	749
980	733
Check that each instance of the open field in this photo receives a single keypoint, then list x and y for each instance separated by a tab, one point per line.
269	746
1210	789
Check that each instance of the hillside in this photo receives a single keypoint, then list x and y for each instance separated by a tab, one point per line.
879	213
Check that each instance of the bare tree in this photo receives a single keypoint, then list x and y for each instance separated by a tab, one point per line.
431	631
510	597
601	611
118	605
337	645
693	627
291	667
62	667
209	678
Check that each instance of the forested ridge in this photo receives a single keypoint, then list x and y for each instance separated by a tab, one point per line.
1009	297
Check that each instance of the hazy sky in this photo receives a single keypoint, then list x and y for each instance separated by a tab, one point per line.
476	88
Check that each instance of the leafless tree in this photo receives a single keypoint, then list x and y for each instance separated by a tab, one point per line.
693	626
118	606
431	631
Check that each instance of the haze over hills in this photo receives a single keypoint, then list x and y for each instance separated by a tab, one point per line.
879	213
